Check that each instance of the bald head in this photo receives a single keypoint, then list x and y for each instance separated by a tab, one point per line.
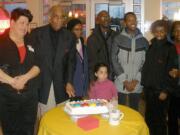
56	17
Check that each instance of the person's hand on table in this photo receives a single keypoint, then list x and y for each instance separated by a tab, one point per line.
70	90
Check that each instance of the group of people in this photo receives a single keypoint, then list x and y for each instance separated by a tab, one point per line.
52	64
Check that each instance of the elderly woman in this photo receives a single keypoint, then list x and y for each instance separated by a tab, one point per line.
18	77
80	79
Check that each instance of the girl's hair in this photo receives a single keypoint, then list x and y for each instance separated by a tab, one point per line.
98	66
159	23
173	28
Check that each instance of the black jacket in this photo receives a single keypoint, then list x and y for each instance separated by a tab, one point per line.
160	59
10	64
56	66
99	49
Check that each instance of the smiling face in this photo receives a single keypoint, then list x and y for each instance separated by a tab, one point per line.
131	22
102	74
160	33
20	26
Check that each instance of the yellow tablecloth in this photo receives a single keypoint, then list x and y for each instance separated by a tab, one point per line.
57	122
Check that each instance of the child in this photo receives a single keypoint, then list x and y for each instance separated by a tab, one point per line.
128	56
174	109
102	88
160	59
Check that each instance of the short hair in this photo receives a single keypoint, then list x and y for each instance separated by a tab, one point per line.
72	23
54	8
159	23
129	13
16	13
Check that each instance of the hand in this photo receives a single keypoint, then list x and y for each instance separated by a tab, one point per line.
174	73
20	82
134	83
125	84
129	86
162	96
70	90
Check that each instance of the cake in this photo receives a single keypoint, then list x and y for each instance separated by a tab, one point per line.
84	107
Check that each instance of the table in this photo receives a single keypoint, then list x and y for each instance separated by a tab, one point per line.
57	122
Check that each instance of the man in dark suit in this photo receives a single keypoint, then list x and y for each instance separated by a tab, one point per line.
99	44
56	52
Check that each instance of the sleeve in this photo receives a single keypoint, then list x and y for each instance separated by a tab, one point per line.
143	57
114	56
71	59
138	75
117	67
92	57
170	82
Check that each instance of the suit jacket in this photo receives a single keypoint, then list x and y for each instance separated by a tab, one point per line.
61	69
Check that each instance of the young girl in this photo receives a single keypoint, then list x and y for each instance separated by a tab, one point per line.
156	80
174	109
102	88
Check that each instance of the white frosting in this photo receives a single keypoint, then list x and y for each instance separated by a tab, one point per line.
93	106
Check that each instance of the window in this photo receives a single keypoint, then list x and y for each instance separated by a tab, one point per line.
137	4
170	9
116	12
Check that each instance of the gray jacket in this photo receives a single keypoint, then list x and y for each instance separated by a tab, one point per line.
128	56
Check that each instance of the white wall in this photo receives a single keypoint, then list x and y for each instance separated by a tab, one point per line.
152	12
35	6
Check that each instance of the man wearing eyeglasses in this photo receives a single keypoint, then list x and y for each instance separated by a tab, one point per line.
99	43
